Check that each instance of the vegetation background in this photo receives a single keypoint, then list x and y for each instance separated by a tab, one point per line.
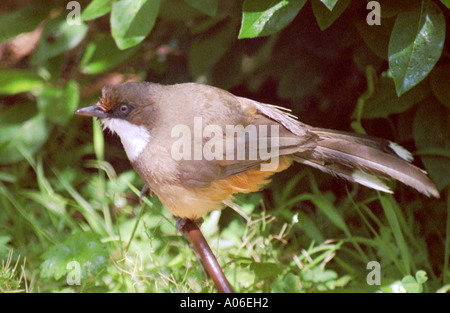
70	219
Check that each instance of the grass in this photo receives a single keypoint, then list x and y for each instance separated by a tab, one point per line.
67	228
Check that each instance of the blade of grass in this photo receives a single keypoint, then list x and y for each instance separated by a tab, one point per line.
94	220
370	79
41	233
104	168
289	187
326	249
98	139
387	203
310	228
404	226
43	183
330	211
380	242
407	230
46	196
150	205
136	224
99	149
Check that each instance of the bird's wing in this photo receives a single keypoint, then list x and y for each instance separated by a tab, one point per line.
267	133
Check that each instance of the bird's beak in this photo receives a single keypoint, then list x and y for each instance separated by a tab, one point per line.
93	110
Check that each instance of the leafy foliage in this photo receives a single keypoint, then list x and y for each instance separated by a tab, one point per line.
83	248
262	18
416	44
67	192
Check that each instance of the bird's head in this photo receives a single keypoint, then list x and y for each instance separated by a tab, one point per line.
129	111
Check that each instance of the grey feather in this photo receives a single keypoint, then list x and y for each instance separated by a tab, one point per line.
359	158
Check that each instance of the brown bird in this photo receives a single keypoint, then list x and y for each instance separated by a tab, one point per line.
196	146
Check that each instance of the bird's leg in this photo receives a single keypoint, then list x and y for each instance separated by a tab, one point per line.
181	224
143	191
191	229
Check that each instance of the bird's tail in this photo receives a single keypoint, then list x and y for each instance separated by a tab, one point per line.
365	160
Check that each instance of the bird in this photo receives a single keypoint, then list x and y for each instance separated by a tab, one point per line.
196	146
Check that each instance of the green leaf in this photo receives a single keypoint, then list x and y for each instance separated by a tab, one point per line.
319	275
132	21
17	81
421	277
265	17
84	248
58	104
288	283
329	3
102	54
324	16
446	3
23	20
385	102
440	83
209	7
265	269
57	37
416	44
96	9
21	128
414	285
390	8
431	131
53	202
410	284
179	11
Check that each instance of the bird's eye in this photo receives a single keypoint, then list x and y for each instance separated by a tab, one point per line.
124	108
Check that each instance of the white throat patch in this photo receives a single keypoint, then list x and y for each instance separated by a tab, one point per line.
134	138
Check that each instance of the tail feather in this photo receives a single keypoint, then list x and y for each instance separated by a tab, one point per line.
365	159
345	172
